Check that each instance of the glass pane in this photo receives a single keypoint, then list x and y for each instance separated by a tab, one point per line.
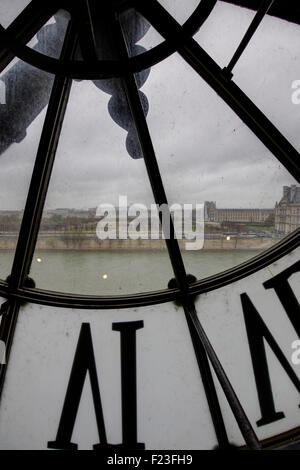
172	411
222	314
208	156
272	58
49	39
223	30
25	93
181	11
267	70
138	33
9	10
90	246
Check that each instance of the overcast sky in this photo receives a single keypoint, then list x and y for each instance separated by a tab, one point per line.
204	151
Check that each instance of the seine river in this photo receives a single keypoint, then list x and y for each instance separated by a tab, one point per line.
118	272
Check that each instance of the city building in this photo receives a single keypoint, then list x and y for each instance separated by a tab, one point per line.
287	211
213	214
126	352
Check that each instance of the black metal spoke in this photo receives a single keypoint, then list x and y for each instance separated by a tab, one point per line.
262	11
36	195
152	167
42	169
171	242
87	37
238	101
236	407
243	422
10	310
209	387
26	25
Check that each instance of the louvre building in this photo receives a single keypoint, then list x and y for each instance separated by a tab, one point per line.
287	211
215	214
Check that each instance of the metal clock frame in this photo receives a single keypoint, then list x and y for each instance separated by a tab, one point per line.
178	38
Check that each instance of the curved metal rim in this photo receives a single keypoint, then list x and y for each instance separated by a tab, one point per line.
75	301
278	440
104	69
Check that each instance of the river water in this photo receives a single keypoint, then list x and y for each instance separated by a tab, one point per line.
118	272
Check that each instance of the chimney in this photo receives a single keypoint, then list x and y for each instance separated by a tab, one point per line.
286	191
293	192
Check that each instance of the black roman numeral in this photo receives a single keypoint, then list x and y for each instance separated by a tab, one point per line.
84	361
257	331
286	295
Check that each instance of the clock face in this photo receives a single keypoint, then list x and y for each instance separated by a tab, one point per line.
73	363
149	226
